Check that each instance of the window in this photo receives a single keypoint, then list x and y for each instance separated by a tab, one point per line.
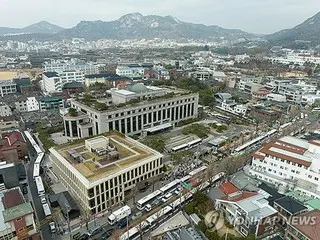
317	179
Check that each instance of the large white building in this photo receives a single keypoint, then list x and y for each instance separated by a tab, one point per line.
291	164
28	104
71	65
297	58
54	82
101	171
135	111
130	72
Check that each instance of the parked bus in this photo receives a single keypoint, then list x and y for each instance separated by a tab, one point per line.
36	171
39	158
141	204
194	143
46	209
40	186
153	219
30	138
38	149
170	187
180	147
222	118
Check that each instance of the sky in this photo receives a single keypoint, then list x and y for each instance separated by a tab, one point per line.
255	16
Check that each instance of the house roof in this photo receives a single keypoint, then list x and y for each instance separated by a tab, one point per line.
72	85
11	198
312	231
228	188
17	211
273	193
314	203
51	74
290	205
8	139
65	201
241	197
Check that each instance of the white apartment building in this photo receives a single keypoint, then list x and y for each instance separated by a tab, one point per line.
5	110
291	164
7	87
71	65
130	72
247	79
54	82
233	107
145	115
297	58
28	104
101	171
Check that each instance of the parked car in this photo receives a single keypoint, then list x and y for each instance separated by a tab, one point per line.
94	231
52	226
122	223
84	236
107	234
43	199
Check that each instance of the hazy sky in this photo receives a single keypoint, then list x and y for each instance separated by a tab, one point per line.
258	16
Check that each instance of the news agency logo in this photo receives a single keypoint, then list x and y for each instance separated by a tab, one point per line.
218	220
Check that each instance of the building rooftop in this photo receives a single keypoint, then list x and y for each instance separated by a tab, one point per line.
17	211
290	205
51	74
107	76
50	99
311	231
119	153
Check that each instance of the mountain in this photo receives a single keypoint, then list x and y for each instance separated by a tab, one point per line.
309	30
42	27
135	25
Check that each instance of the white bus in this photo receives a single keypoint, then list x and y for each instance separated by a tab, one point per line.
40	186
170	186
198	172
148	199
153	219
46	209
194	143
180	147
30	138
39	158
36	171
38	149
134	233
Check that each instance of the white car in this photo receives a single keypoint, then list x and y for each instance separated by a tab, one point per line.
52	226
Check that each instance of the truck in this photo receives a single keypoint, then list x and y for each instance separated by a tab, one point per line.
46	209
119	214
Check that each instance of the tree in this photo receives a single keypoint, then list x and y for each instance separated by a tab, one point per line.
196	129
73	112
156	142
202	226
181	156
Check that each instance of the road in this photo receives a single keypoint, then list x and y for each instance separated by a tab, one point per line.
45	231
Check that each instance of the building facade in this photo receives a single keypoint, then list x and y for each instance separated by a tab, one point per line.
8	123
48	103
289	163
70	65
130	119
5	110
7	87
106	169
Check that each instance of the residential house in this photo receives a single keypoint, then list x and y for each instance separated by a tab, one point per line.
13	147
8	123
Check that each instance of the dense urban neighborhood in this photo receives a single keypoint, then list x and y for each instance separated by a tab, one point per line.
149	137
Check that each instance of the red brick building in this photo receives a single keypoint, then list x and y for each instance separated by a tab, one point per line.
13	147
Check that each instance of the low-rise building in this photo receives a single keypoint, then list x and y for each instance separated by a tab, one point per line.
7	87
8	123
100	172
5	110
48	103
112	80
248	212
289	163
17	217
13	148
265	114
130	72
233	107
306	226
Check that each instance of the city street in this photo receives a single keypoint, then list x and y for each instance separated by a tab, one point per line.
40	217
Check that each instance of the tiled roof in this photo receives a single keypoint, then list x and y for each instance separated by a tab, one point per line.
11	138
290	205
244	195
312	231
228	188
17	211
11	198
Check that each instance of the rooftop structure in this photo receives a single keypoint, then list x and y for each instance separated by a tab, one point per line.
111	161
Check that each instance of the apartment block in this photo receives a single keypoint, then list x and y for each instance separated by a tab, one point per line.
70	65
5	110
99	172
7	87
140	110
289	163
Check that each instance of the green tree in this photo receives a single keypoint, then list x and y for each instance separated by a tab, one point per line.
212	235
196	129
73	112
180	156
156	142
202	226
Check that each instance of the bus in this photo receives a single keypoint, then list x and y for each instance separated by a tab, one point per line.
40	186
194	143
38	149
36	171
170	187
30	138
134	233
180	147
153	219
46	209
39	158
141	204
198	172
